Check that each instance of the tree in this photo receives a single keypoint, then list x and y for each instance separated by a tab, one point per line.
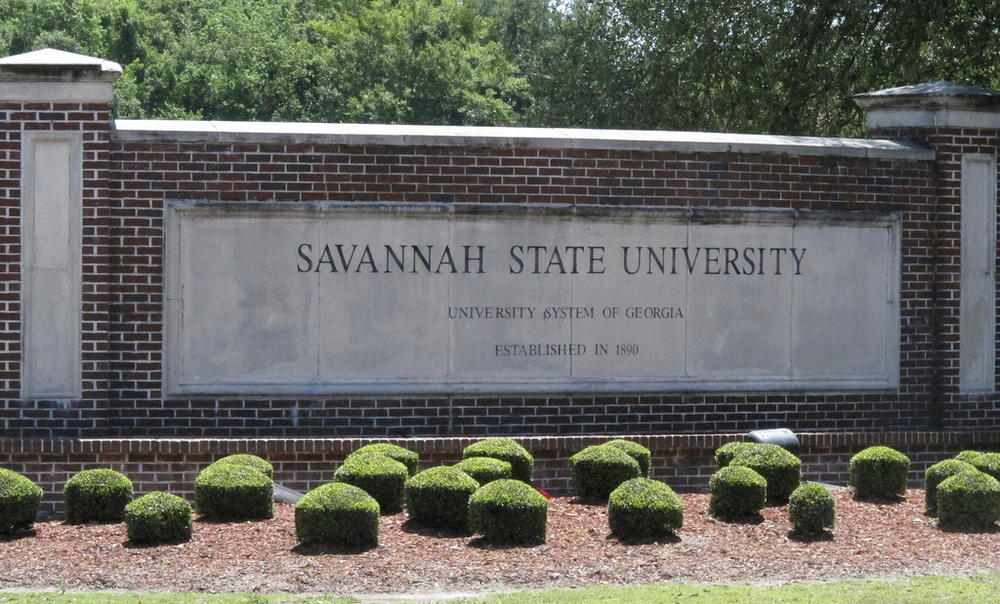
779	66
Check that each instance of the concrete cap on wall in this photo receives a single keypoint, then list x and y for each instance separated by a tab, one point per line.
56	75
931	105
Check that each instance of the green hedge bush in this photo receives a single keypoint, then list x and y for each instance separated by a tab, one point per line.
380	476
19	502
509	511
599	469
936	474
245	459
506	449
781	469
485	469
737	492
811	508
636	451
337	514
879	473
968	501
439	498
158	518
98	495
404	456
988	463
726	453
233	491
968	456
641	508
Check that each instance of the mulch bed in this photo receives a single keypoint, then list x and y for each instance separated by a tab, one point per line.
869	540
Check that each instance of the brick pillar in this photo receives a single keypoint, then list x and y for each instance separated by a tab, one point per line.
54	241
962	125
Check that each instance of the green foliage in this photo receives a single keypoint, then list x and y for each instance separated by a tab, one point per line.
158	518
737	492
726	453
599	469
19	502
936	474
337	514
404	456
427	61
439	497
811	509
485	469
243	459
636	451
879	473
968	501
505	449
379	476
509	511
968	456
641	508
988	463
781	469
646	64
744	65
233	491
97	496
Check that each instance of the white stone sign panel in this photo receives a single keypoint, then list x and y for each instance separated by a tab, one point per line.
438	299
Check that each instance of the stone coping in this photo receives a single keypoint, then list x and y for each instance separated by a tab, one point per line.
180	131
656	442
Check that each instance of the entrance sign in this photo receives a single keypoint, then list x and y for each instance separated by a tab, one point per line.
326	299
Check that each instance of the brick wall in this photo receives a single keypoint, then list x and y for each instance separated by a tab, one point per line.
128	182
956	411
145	175
25	419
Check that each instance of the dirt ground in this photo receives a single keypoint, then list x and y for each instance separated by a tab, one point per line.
869	540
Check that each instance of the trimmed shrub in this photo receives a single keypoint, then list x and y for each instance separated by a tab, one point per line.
380	476
936	474
988	463
879	473
439	497
97	496
233	491
509	511
781	469
244	459
811	509
506	449
485	469
968	501
737	492
599	469
726	453
404	456
642	508
158	518
968	456
19	502
636	451
337	514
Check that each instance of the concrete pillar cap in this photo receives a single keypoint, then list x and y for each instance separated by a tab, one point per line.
931	104
57	76
50	64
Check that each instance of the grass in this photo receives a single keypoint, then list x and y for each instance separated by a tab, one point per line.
955	590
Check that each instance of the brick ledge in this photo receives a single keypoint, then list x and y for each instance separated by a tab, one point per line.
657	442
